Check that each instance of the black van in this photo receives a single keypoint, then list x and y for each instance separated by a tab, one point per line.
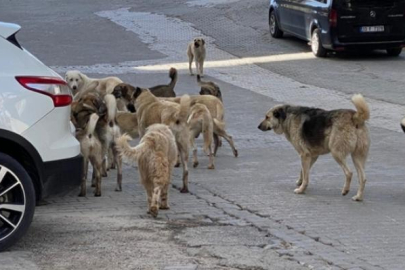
341	25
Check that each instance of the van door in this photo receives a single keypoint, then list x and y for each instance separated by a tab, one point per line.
285	15
296	10
370	20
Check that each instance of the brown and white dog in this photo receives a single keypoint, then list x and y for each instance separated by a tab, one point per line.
196	51
209	88
155	154
314	132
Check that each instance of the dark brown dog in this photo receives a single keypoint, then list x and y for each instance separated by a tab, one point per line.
209	88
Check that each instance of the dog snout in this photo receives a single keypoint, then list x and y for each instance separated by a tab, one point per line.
263	127
131	108
196	44
74	87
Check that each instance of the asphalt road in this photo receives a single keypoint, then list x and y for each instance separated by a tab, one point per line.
244	214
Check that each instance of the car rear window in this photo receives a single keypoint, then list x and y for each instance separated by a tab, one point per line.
368	3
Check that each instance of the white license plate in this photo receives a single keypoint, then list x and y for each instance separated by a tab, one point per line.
372	29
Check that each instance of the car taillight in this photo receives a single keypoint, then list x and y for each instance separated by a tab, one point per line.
53	87
333	18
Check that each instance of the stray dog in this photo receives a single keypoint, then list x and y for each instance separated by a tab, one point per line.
150	110
128	123
156	154
91	149
216	108
200	121
106	129
166	90
196	50
314	132
77	82
209	88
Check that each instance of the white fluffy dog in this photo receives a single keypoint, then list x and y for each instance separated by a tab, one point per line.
78	81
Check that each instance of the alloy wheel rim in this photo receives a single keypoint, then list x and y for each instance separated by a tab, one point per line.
315	43
12	202
272	24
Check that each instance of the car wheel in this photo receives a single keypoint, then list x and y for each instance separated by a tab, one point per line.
17	201
316	44
394	51
274	28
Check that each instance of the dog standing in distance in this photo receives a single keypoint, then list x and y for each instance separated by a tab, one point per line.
196	51
155	154
314	132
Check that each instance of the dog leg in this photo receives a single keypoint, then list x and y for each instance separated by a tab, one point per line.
149	193
299	181
229	139
177	161
84	178
111	159
211	165
306	160
164	198
216	143
97	167
118	161
359	162
184	162
201	68
190	62
154	206
192	144
342	162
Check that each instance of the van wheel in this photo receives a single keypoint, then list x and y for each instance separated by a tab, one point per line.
274	28
17	201
316	44
394	51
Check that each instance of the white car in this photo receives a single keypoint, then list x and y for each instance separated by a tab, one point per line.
39	154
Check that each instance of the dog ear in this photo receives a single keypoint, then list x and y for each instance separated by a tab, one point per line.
203	41
280	114
118	91
137	93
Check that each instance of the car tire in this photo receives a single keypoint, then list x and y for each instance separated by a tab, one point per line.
17	201
316	44
275	31
394	51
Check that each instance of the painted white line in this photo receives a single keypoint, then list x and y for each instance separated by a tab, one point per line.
170	36
209	3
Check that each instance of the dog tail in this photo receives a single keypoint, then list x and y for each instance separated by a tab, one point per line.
403	124
111	104
199	79
363	111
125	150
173	76
184	109
91	125
218	124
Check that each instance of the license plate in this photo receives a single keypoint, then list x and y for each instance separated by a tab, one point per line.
372	29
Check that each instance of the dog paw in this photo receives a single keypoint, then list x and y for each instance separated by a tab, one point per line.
153	211
97	194
235	153
211	167
299	191
118	189
184	190
357	198
344	192
82	194
195	164
299	182
177	165
164	207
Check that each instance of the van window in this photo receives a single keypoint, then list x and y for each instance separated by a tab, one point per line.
369	3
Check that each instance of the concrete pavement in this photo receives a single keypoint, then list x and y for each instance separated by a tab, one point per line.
242	215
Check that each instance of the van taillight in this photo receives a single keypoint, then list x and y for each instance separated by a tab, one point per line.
54	87
333	18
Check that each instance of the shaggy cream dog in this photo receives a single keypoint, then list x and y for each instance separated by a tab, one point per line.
196	51
156	155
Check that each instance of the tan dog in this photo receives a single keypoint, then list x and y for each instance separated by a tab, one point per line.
128	123
91	150
150	110
314	132
78	82
209	88
196	51
155	154
200	121
216	108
